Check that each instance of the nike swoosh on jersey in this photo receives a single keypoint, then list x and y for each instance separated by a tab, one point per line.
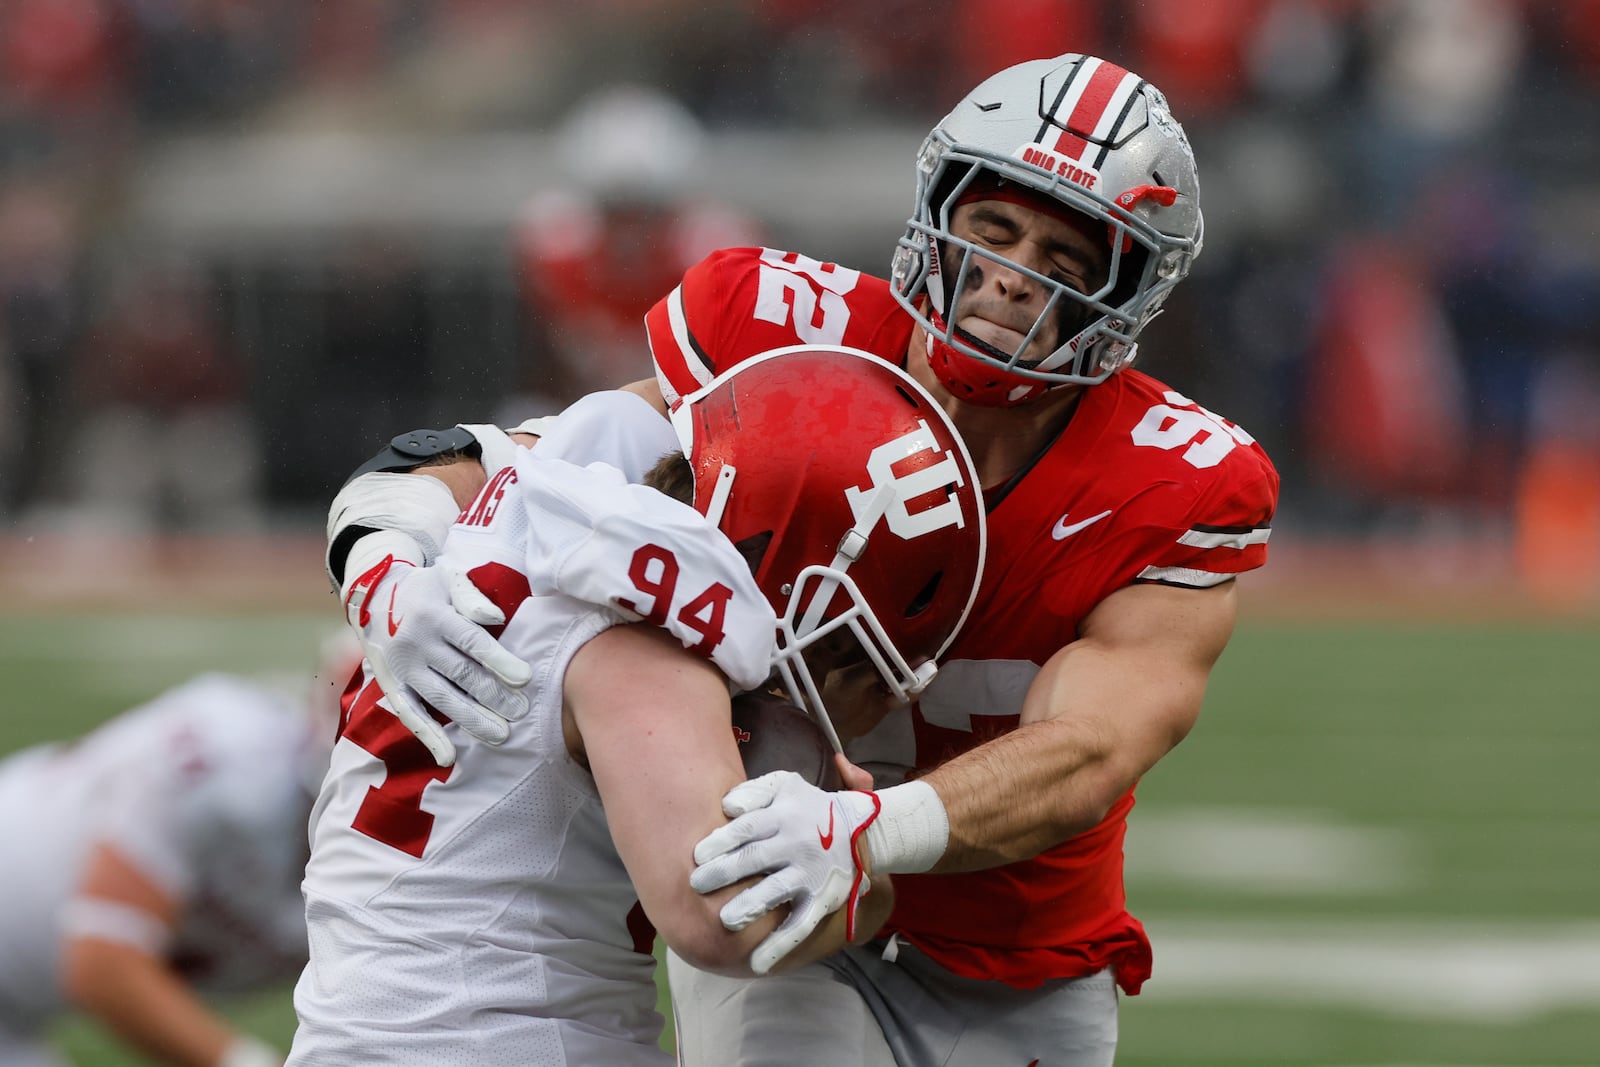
1062	531
827	838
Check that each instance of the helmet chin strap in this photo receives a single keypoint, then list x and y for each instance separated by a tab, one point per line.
971	379
719	494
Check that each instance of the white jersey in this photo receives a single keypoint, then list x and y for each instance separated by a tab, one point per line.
480	915
206	790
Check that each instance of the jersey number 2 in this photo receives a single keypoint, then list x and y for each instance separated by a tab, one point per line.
809	291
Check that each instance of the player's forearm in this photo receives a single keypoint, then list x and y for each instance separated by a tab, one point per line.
1088	734
1027	791
140	999
709	946
1101	713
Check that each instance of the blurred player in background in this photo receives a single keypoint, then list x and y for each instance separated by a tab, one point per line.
1056	208
594	254
502	910
156	861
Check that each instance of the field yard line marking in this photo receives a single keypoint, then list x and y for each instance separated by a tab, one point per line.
1269	853
1424	969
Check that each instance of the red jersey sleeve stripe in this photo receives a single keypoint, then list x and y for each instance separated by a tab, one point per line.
681	367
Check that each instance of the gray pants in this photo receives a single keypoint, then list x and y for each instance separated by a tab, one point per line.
858	1009
19	1051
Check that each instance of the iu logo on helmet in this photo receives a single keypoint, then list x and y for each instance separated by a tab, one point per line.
911	485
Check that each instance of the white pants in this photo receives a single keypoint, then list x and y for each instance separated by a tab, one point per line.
858	1009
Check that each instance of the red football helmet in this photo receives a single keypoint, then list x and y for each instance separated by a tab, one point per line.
854	499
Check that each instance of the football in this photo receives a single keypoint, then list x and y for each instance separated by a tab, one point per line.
776	735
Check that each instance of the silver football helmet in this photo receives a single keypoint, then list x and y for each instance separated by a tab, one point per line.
1098	140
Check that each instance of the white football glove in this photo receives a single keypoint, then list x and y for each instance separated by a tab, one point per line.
421	629
805	840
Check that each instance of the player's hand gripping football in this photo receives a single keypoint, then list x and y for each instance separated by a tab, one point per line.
807	843
421	629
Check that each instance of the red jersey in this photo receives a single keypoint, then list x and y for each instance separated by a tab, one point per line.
1143	485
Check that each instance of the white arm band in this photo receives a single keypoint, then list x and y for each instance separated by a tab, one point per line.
111	920
417	506
911	832
246	1051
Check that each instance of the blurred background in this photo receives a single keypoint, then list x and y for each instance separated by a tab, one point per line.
242	244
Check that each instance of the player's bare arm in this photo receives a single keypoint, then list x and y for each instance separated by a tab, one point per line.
649	389
129	987
652	723
1099	715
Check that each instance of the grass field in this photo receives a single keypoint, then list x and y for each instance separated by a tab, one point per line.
1380	847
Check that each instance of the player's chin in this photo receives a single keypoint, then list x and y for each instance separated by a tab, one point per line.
1004	346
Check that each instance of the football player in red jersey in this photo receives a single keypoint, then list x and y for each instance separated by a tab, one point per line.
1057	206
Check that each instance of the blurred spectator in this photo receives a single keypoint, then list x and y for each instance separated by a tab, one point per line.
204	59
982	44
1325	117
1195	51
841	61
10	426
347	41
1558	488
595	255
1385	403
167	441
1297	50
1472	231
366	367
1440	78
1577	28
61	58
41	302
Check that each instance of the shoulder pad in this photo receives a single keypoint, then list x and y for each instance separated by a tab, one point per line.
410	450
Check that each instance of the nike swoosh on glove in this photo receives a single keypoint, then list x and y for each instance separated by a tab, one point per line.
421	629
805	840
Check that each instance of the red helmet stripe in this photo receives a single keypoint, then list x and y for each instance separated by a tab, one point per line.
1088	105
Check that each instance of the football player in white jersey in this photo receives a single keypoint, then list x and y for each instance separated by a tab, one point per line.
157	861
502	909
